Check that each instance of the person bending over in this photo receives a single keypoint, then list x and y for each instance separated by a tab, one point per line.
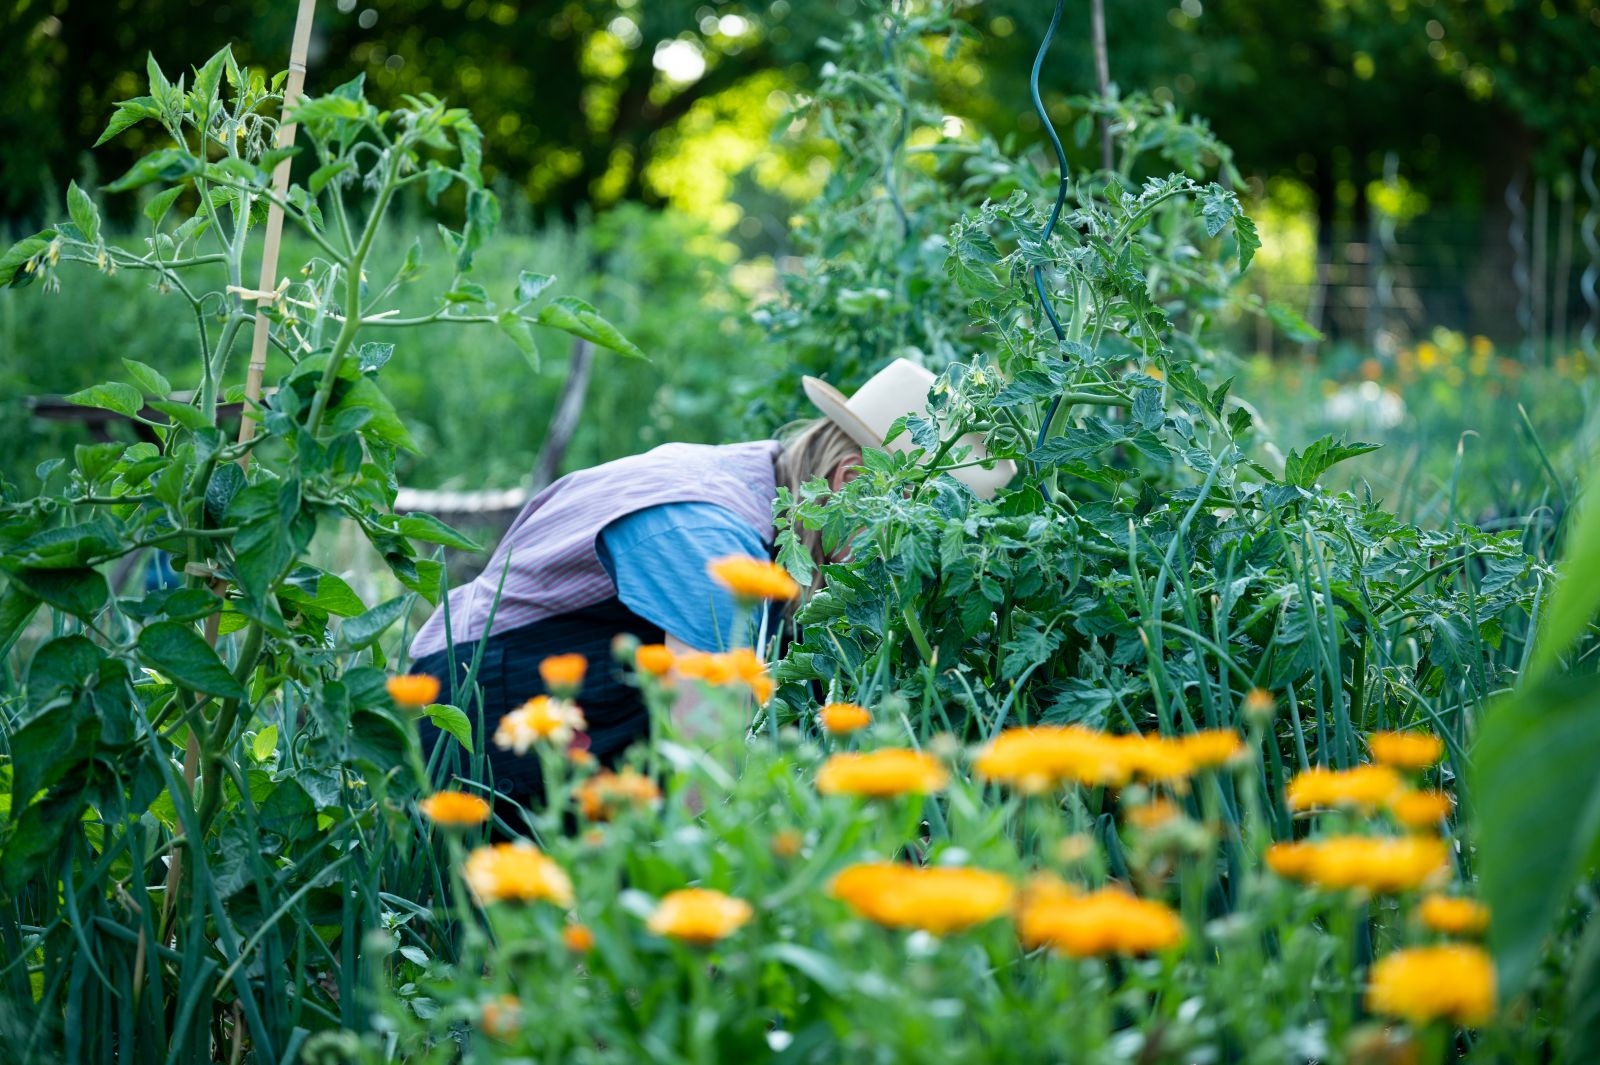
622	548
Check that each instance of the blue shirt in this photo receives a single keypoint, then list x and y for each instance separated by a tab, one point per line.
657	558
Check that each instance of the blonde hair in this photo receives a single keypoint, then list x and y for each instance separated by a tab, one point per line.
812	448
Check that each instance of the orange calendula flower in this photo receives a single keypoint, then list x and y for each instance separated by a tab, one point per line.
1454	916
750	670
563	674
1406	750
1376	864
1156	758
455	809
1108	921
1042	757
882	774
413	689
607	794
1153	814
1212	747
1259	703
715	670
1292	861
1365	787
699	916
654	659
577	938
934	899
516	872
1453	982
502	1017
540	718
753	578
842	718
1421	810
787	843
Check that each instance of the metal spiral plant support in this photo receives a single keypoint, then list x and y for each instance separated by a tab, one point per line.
1589	282
1055	212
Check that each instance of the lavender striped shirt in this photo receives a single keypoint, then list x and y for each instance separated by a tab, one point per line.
554	567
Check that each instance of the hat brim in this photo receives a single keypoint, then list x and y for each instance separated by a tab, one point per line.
836	407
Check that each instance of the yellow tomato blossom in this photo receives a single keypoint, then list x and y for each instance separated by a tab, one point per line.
935	899
454	809
1365	787
1452	982
881	774
753	578
1454	916
413	689
563	674
540	718
516	872
1406	750
1108	921
1421	810
841	718
607	794
699	916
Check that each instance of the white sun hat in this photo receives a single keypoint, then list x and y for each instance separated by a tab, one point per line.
899	389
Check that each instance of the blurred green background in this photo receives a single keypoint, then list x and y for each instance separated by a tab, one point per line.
1423	174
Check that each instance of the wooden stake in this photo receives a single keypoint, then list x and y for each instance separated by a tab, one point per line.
269	255
1102	75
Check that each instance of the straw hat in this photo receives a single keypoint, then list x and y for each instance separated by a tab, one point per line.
898	389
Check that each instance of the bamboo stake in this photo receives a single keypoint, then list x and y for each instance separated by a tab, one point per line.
269	254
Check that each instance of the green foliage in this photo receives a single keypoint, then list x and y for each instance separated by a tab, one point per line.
213	772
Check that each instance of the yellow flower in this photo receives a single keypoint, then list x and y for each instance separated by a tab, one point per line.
1156	758
1045	756
1365	787
577	938
1153	814
787	843
606	794
840	718
935	899
881	774
413	689
563	674
749	669
1108	921
516	872
454	808
1291	861
753	578
1451	982
654	659
715	670
1406	750
540	718
1212	747
502	1017
1377	864
1421	810
699	916
1454	916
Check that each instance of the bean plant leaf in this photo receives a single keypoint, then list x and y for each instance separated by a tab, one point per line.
452	719
17	606
572	315
264	743
177	651
79	592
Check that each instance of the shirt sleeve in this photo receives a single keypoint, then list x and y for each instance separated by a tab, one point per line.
657	558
